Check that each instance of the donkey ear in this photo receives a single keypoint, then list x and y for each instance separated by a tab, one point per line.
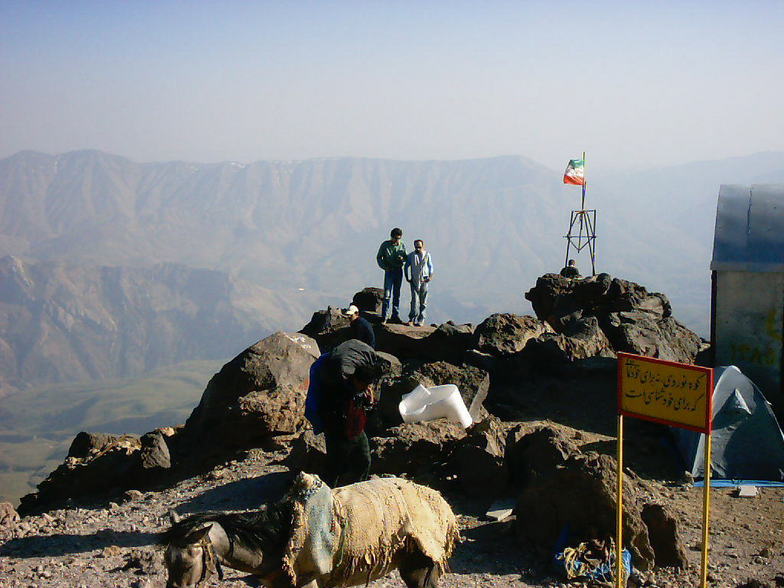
174	518
198	534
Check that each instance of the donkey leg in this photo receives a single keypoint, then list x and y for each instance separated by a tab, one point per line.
419	571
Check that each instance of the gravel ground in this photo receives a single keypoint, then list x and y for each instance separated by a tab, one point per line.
116	545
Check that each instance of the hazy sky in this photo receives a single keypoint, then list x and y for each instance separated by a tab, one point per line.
630	82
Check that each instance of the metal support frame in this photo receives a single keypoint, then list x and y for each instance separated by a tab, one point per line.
585	235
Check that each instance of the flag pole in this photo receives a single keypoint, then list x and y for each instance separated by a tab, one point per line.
585	181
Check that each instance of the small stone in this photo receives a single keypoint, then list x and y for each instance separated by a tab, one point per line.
131	495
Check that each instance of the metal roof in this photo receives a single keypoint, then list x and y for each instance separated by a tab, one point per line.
749	232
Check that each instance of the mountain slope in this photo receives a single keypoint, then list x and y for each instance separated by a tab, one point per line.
65	323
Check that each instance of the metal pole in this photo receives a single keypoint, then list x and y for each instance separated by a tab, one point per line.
706	509
585	181
619	572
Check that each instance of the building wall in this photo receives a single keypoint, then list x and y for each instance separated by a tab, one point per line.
748	326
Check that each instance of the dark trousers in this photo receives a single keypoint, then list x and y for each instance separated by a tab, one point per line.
348	461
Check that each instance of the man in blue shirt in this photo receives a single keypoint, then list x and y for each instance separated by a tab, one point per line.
360	327
419	272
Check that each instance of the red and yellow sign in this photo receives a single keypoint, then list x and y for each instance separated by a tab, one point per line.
665	392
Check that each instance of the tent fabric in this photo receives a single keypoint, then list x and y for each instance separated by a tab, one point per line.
747	442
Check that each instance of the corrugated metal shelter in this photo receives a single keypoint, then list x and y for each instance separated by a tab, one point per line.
747	306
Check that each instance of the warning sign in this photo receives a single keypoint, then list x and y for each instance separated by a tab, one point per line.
665	392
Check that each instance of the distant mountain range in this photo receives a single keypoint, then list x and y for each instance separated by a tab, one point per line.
119	267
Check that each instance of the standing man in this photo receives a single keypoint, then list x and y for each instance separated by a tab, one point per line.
390	257
360	327
419	272
339	394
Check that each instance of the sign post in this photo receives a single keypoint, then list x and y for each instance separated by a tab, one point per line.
669	393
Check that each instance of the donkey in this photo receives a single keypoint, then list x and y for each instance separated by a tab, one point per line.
324	538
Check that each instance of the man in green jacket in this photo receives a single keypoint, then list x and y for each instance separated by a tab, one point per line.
390	257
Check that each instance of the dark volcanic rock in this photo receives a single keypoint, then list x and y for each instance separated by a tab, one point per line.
369	300
419	449
632	319
308	454
401	341
449	342
504	334
154	455
478	460
663	535
329	328
582	494
258	394
86	443
580	339
533	454
114	467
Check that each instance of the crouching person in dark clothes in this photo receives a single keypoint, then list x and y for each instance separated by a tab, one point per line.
339	396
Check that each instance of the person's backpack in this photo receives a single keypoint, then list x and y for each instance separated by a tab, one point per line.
315	397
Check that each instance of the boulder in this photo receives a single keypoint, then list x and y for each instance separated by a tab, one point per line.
503	334
632	319
449	342
633	332
478	460
85	444
329	328
308	454
405	342
369	300
418	449
8	515
531	454
581	493
154	454
580	339
257	395
114	467
663	535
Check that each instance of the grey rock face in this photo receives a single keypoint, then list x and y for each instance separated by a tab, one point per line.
630	318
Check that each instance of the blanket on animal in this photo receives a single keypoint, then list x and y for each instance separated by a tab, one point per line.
358	533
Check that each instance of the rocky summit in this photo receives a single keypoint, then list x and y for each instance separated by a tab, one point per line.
541	452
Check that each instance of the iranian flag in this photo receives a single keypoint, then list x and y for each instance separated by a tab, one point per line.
575	172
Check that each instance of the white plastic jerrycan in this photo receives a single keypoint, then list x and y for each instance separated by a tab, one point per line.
427	404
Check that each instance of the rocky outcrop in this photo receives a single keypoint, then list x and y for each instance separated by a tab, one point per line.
582	494
580	339
531	454
101	471
562	487
369	300
503	334
478	460
258	394
329	328
630	318
419	449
